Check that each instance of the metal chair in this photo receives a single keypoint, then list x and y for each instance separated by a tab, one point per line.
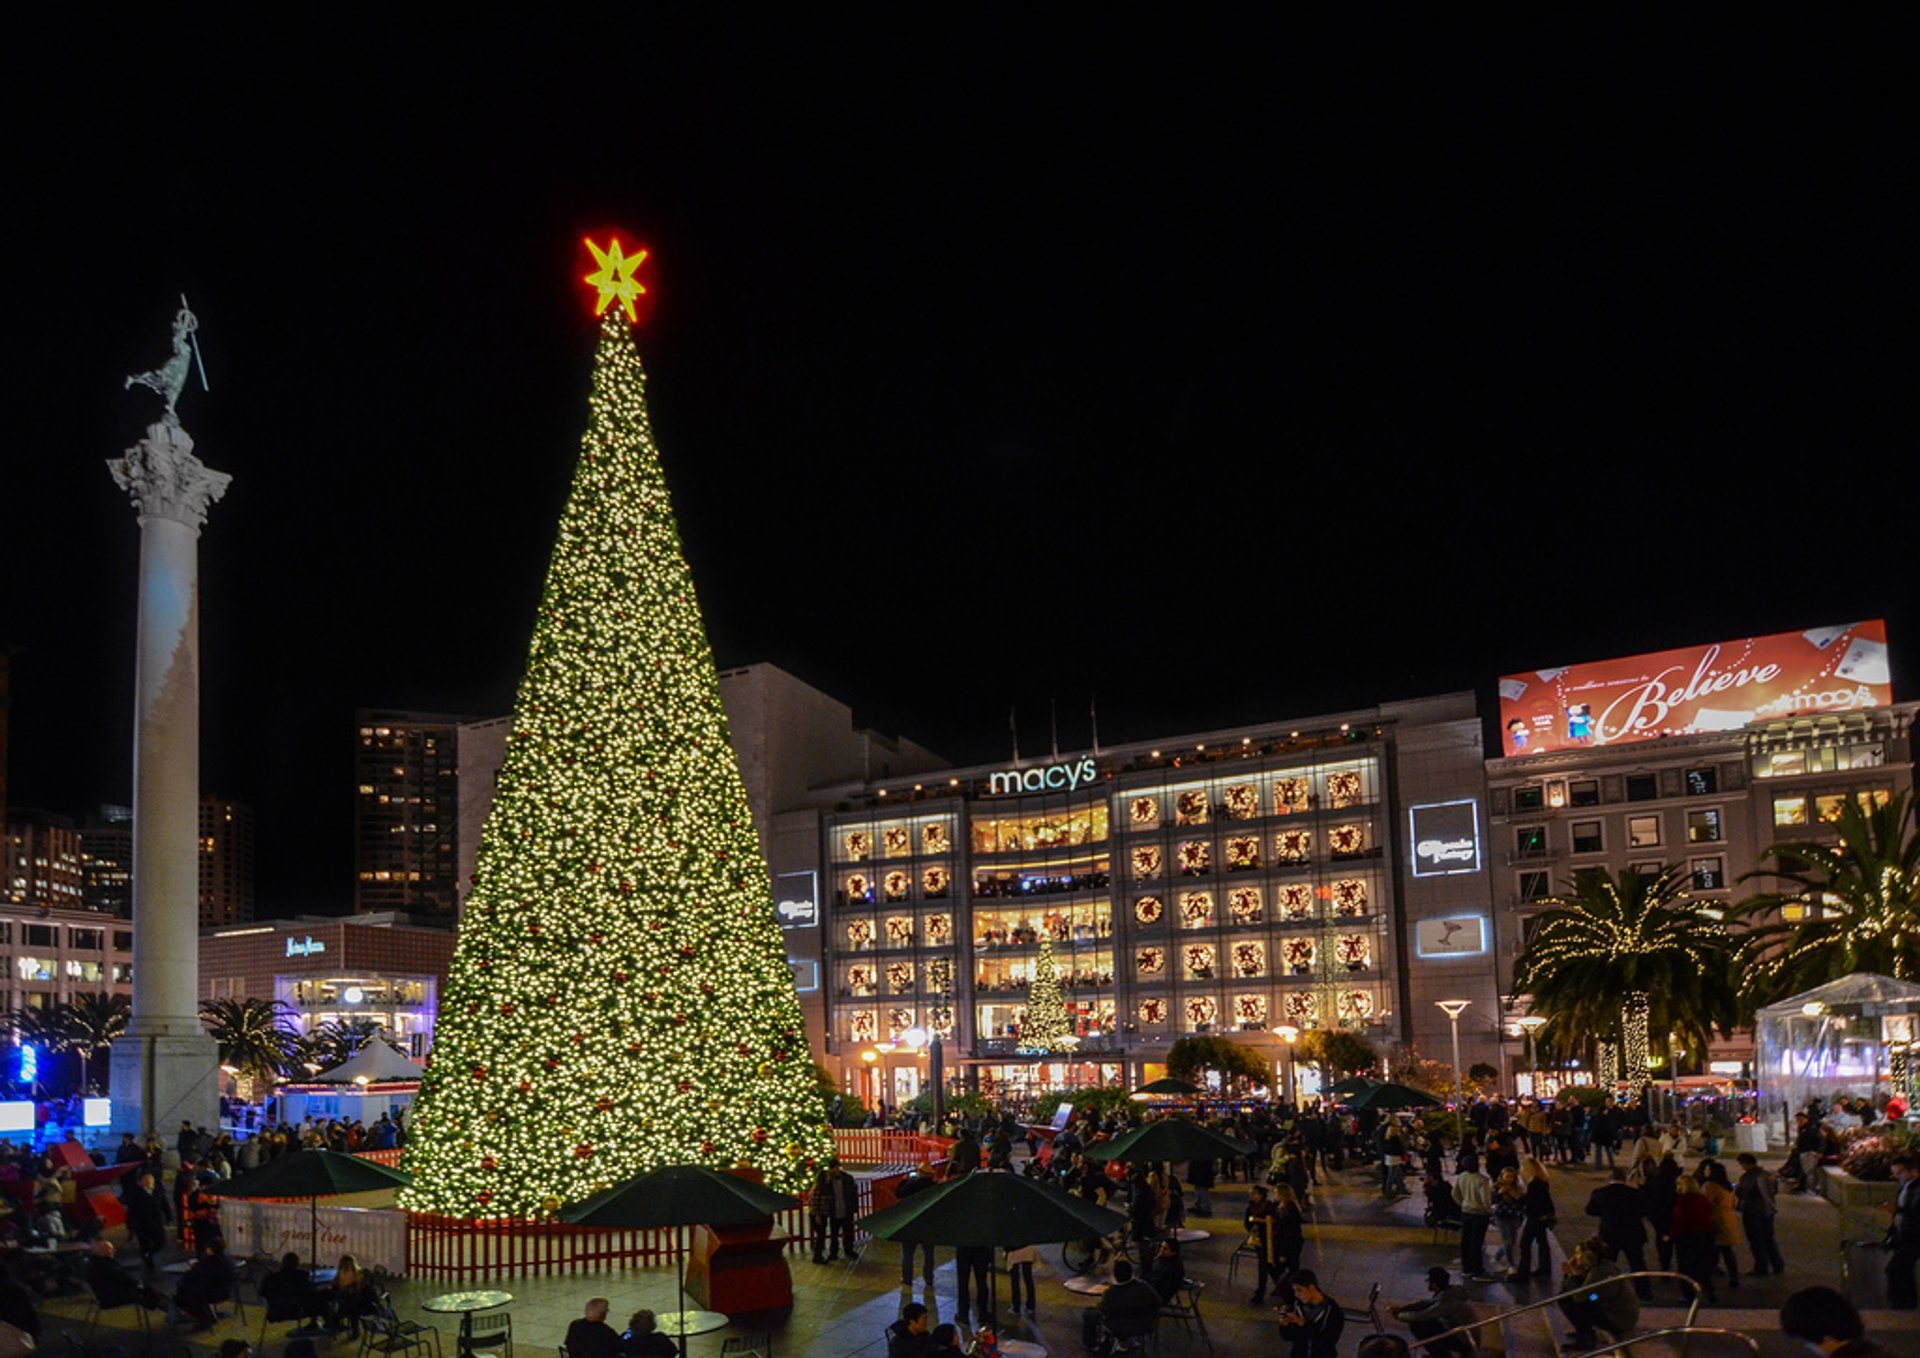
489	1333
1369	1313
382	1335
95	1310
748	1346
1184	1306
1244	1250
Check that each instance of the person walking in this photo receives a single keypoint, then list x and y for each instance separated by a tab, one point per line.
1538	1219
1474	1192
1259	1224
1623	1211
1692	1233
1726	1216
1509	1212
1757	1193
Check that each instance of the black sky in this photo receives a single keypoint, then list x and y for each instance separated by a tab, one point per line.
1229	372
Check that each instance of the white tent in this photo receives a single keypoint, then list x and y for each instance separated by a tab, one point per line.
1852	1037
375	1062
374	1080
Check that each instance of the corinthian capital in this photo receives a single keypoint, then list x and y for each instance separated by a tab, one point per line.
165	480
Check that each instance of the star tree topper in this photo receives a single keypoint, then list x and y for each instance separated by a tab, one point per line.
614	278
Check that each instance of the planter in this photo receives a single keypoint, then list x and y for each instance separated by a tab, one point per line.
1863	1203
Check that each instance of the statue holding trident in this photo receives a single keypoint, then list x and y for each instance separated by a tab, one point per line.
170	377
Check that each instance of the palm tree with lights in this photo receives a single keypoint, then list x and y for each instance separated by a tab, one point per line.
1833	910
255	1037
92	1023
1630	954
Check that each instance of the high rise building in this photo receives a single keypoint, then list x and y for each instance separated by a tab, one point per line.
406	815
226	861
106	861
42	862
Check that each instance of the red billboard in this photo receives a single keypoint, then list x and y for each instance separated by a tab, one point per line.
1720	687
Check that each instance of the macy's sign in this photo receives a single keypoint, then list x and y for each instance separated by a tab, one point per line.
1046	778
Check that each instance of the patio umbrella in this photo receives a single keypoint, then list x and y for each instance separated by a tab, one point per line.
1181	1088
1353	1084
992	1208
315	1175
1392	1095
1170	1139
679	1195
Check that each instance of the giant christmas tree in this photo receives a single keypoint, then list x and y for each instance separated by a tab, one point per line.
1047	1026
619	996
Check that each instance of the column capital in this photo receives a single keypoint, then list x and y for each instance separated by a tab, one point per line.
165	480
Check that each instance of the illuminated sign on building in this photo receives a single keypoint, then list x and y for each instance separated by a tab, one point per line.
1045	778
1450	936
307	947
1446	838
796	900
1721	687
806	974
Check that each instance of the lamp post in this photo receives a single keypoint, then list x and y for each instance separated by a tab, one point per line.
1530	1025
1453	1009
1289	1034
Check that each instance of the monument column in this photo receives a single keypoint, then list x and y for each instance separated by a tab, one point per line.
166	1068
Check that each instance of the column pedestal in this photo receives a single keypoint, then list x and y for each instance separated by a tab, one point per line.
160	1082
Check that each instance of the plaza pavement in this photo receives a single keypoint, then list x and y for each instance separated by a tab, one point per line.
1354	1239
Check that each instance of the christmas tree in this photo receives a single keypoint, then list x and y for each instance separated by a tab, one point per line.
1047	1027
619	996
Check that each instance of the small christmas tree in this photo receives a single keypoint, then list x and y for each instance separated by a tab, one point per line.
1047	1026
619	997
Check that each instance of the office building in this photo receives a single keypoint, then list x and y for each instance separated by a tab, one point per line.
42	862
406	815
226	861
106	861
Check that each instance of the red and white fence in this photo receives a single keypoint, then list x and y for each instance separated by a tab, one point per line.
885	1146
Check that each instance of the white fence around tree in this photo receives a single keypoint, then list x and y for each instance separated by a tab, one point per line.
377	1237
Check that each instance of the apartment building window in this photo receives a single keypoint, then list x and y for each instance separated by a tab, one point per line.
1534	886
1703	827
1789	810
41	936
123	940
1709	874
1643	832
1587	837
1704	782
1585	792
1530	797
1642	787
1530	841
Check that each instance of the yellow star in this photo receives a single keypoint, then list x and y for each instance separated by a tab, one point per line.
615	278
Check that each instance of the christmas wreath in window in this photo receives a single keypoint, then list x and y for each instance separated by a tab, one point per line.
1350	896
1346	839
1293	846
864	1025
934	882
899	978
895	885
1243	852
898	1021
1148	909
1199	959
1196	856
934	837
1201	1009
1343	789
861	979
1150	961
1250	959
859	887
1243	801
1289	795
1297	953
899	931
1296	901
1196	909
1355	952
1146	861
1243	903
1300	1008
858	845
1144	812
1251	1009
860	933
1190	807
939	929
1152	1010
896	840
1356	1005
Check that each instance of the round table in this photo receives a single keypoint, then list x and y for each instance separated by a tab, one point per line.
1021	1348
1087	1287
1188	1235
680	1324
464	1305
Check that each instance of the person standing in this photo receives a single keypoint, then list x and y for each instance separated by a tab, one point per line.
1903	1238
1539	1219
973	1264
1622	1210
1692	1232
1314	1322
1757	1195
1726	1216
147	1216
919	1181
1200	1174
831	1210
1259	1223
1020	1262
1474	1192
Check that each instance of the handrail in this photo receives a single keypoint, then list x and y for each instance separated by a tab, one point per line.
1753	1345
1499	1316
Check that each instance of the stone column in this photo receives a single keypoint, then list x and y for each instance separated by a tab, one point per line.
166	1068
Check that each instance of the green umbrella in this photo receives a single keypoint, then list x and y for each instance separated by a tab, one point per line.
1170	1139
1391	1095
312	1174
1169	1086
1353	1084
679	1195
992	1208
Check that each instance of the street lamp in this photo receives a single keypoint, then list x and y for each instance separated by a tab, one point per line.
1289	1034
1530	1025
1453	1010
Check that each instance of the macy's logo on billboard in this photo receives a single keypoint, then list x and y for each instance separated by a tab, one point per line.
1050	777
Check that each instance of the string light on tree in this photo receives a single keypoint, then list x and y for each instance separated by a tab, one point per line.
619	996
1636	1049
1047	1025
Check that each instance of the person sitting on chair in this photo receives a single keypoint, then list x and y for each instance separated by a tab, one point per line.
591	1336
1447	1307
1128	1309
210	1279
351	1299
288	1291
113	1286
1442	1208
1168	1271
644	1340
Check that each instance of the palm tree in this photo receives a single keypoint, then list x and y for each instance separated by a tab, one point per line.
255	1037
1857	904
49	1029
1630	954
332	1043
92	1023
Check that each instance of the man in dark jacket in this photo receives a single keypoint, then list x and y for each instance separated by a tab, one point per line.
1903	1239
917	1182
148	1215
907	1336
835	1197
1623	1211
966	1155
1755	1196
1314	1324
1446	1308
112	1287
1127	1309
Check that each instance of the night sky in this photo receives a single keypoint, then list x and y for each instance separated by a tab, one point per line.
1227	373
